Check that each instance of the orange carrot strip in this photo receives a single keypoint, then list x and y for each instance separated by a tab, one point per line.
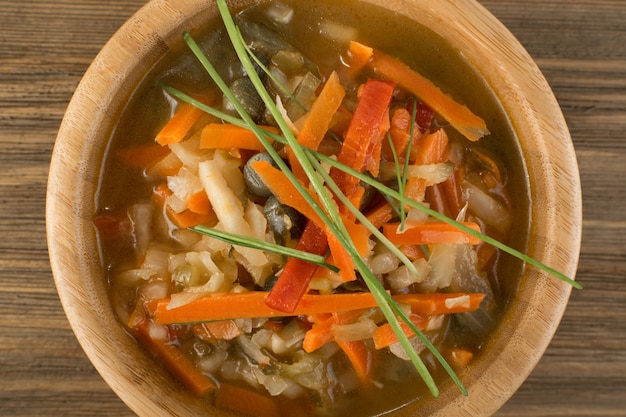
384	335
431	149
358	57
221	135
459	358
360	357
285	191
224	306
322	331
341	258
186	218
179	125
318	120
199	203
318	335
451	189
441	303
175	361
459	116
430	233
400	134
362	141
357	351
246	401
381	214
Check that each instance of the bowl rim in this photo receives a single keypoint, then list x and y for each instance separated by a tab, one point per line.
553	172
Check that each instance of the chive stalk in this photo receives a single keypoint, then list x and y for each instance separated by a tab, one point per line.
250	242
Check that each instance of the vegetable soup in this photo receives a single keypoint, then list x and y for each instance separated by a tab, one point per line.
322	252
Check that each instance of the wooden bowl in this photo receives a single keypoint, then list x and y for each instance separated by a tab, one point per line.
555	229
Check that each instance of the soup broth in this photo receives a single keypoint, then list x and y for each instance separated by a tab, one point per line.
147	257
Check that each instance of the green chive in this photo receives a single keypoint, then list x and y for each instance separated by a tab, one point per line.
250	242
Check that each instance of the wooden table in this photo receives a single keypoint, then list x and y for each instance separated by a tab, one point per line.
45	46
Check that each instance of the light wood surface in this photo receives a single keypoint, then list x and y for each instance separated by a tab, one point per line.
45	46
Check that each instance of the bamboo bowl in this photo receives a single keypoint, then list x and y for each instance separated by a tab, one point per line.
555	229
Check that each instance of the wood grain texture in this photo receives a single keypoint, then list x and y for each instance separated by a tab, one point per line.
45	47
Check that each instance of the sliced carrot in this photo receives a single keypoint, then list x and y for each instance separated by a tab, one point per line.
380	214
224	306
430	233
177	128
384	335
360	356
431	149
451	189
186	218
359	234
318	335
246	401
318	120
143	156
322	330
358	57
341	258
441	303
285	191
226	136
399	132
459	358
175	361
415	188
199	203
362	141
458	115
296	275
373	161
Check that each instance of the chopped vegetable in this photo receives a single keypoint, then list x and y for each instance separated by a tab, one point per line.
223	135
322	330
362	144
179	125
385	336
185	218
459	116
251	304
293	281
318	120
429	234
